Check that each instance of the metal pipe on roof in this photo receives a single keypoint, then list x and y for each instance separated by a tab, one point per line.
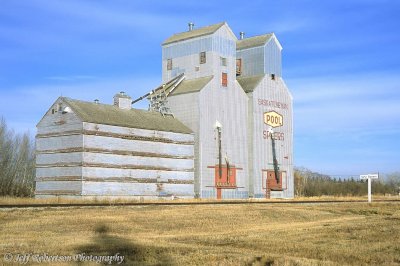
176	84
141	98
191	25
241	35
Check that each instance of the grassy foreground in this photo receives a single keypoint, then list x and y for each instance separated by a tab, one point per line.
111	201
287	234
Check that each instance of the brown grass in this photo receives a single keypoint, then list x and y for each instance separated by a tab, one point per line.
307	234
64	200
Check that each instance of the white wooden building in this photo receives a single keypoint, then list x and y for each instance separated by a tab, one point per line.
99	150
230	136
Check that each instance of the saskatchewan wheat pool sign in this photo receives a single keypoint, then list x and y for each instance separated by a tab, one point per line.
273	119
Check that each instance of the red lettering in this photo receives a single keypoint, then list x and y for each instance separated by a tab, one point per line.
276	135
272	104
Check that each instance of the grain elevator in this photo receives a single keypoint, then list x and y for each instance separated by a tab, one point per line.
232	112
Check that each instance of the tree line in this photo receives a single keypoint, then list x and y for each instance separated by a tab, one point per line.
17	163
310	184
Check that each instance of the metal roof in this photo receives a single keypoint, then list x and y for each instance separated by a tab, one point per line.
184	86
250	83
193	33
133	118
191	85
253	41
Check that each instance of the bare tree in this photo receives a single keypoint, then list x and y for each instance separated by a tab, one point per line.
17	163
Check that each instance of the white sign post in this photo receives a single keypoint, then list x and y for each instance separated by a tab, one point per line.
369	177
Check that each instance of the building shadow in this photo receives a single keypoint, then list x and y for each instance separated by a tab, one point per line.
106	244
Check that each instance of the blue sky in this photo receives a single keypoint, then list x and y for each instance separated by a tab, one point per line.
341	61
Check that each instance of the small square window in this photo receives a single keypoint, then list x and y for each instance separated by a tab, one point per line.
224	79
52	111
203	59
223	61
238	67
169	64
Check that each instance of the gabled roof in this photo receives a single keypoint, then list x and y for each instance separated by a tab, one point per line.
253	41
250	83
193	33
133	118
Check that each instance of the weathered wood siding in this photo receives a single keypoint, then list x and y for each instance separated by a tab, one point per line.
135	162
151	190
58	167
76	158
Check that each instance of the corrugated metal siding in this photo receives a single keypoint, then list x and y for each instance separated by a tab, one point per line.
252	61
272	59
185	55
185	107
277	91
222	45
261	60
250	144
189	47
228	105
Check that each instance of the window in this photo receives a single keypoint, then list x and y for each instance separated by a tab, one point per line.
52	111
203	58
224	79
60	107
238	67
223	61
273	76
169	64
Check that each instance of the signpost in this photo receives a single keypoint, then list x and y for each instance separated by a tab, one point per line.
369	177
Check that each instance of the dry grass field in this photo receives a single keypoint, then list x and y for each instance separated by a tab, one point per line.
261	234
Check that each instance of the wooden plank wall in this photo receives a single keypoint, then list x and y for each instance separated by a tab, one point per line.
94	160
59	153
136	162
